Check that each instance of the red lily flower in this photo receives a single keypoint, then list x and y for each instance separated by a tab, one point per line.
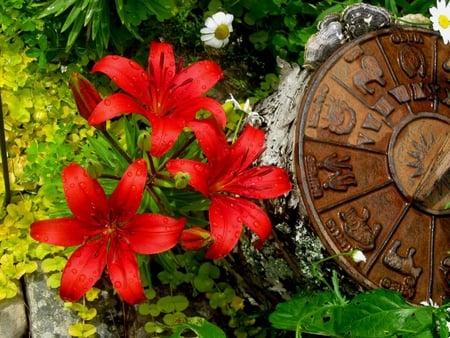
168	97
109	232
226	177
86	96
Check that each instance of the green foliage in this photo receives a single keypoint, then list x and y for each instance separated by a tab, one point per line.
374	313
82	330
98	20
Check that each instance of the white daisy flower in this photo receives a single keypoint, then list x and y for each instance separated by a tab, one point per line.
429	302
254	119
216	32
440	17
358	256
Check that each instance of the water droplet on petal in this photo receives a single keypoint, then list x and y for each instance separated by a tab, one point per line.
107	102
117	285
74	271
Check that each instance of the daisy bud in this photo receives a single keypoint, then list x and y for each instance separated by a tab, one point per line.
357	256
195	239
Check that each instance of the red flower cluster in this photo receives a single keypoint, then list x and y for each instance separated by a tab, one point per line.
108	230
169	97
226	178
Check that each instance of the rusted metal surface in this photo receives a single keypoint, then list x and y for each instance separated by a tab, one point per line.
372	161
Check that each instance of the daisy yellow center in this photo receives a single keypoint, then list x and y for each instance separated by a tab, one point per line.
222	32
444	21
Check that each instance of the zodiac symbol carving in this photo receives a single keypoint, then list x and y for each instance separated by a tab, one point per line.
340	182
337	181
371	72
412	61
356	227
403	264
341	118
331	163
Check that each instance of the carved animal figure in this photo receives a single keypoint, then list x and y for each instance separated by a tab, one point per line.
403	264
371	72
340	182
333	164
357	228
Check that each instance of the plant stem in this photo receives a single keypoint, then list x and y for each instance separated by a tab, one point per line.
117	146
4	156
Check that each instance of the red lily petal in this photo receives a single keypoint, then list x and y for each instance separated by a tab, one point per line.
165	132
212	140
161	67
197	171
247	148
83	270
196	80
84	195
115	105
127	74
127	196
153	233
226	226
124	272
260	182
194	105
227	214
66	231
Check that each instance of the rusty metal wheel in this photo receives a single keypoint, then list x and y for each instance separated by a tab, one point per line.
372	159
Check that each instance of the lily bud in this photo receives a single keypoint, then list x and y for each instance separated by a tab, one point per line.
182	180
86	96
143	141
195	239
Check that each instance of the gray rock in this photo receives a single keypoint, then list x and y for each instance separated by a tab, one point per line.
13	317
50	319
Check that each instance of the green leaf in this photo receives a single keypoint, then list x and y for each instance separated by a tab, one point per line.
312	313
169	304
56	8
384	313
82	330
53	264
201	327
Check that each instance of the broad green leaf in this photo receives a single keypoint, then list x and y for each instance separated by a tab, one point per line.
383	313
311	313
201	327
